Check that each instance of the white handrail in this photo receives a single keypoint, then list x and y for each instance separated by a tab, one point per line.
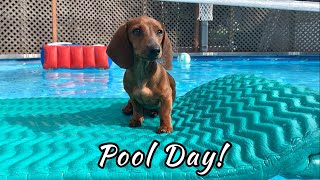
271	4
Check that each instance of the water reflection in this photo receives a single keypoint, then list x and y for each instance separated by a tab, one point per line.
73	82
185	66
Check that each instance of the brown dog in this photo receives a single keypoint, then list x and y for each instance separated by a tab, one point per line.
136	46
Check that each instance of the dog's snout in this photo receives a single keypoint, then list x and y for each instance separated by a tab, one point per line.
154	50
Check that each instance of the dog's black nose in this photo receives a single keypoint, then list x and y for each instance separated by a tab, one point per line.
154	50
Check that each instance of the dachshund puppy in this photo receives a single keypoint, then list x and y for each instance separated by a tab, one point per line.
136	46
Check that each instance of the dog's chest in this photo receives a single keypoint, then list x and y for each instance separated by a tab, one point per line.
142	91
145	96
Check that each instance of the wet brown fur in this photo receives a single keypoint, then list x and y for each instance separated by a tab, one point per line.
150	87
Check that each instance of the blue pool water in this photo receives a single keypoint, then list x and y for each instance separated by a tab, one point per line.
23	79
27	79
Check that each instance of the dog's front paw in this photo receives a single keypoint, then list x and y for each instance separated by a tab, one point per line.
164	129
136	122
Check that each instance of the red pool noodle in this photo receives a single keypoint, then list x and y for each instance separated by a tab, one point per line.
63	56
100	56
76	57
88	57
51	57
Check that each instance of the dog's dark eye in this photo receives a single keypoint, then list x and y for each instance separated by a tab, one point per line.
159	32
136	31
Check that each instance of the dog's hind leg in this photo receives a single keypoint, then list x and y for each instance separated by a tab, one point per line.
128	109
151	112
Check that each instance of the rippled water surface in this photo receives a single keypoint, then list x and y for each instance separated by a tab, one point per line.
23	79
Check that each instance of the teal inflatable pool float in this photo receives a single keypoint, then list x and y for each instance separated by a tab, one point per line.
272	128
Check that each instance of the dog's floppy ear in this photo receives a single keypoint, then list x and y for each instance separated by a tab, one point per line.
166	51
120	49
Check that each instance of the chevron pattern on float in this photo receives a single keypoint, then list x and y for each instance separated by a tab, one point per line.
273	129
